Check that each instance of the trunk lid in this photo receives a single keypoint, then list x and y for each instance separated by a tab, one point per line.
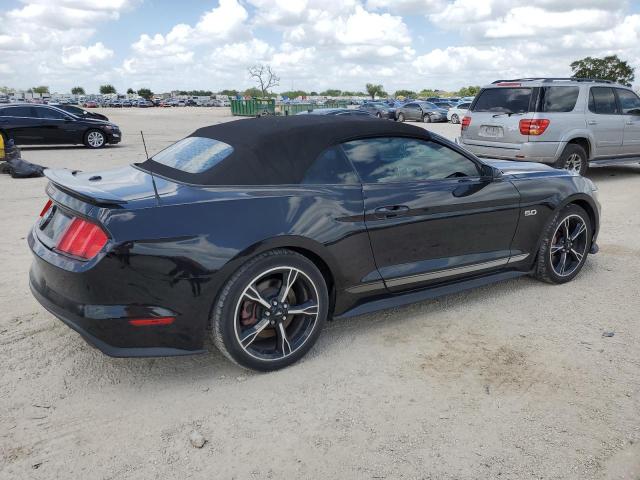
114	187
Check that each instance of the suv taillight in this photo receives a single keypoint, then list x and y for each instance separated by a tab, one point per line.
466	121
534	127
82	239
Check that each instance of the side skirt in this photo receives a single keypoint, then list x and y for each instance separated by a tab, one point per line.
428	294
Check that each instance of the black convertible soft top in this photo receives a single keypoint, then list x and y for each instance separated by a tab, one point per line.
279	150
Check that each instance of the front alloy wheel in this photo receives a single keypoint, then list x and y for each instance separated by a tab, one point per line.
95	139
271	311
565	245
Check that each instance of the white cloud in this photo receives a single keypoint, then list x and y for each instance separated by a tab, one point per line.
81	57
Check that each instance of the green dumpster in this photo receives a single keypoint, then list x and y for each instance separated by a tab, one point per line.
253	107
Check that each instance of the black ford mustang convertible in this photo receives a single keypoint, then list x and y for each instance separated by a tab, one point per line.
255	232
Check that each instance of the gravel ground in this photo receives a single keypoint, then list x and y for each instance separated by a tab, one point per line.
510	381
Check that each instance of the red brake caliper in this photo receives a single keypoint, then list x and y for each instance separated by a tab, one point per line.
248	315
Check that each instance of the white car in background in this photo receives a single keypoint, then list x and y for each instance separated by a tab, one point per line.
454	114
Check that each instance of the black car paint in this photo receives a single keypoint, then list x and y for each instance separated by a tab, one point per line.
81	112
173	252
34	130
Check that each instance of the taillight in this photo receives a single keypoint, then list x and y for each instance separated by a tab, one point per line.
466	121
46	208
534	127
82	239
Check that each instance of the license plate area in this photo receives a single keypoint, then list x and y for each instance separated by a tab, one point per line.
491	131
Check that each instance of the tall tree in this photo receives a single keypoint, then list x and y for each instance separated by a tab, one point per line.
374	90
40	89
606	68
130	91
405	93
77	91
264	77
106	89
145	93
470	91
253	92
229	92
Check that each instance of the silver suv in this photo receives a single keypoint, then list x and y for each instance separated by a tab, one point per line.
566	122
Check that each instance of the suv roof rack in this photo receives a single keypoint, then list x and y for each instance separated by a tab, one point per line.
554	79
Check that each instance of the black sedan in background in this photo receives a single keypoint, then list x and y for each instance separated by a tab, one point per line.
379	109
256	232
48	125
79	112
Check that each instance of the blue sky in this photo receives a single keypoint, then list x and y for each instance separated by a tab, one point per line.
312	44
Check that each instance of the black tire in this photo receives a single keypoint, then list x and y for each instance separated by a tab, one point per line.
400	117
261	353
455	118
573	158
550	259
91	138
426	118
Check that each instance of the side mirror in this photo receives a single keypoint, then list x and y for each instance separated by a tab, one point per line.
490	173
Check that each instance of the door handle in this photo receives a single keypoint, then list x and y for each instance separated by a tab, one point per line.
592	122
391	211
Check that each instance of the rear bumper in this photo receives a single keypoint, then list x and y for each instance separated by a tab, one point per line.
541	152
98	303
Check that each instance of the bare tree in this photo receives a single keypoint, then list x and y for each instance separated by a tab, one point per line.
264	77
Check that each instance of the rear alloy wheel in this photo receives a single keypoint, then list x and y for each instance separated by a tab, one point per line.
574	159
455	118
401	117
426	118
565	246
271	311
95	139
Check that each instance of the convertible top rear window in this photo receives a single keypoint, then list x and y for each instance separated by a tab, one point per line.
194	154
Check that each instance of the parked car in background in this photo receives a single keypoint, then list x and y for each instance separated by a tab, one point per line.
47	125
455	114
90	104
565	122
127	103
115	104
422	112
79	112
379	109
339	112
324	217
444	105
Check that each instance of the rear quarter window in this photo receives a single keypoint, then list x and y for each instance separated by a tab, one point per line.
558	99
503	100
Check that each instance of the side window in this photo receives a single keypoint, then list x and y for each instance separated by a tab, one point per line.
19	112
628	101
396	159
50	113
411	105
603	101
558	99
330	168
464	106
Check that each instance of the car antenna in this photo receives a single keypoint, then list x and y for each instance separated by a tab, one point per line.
153	179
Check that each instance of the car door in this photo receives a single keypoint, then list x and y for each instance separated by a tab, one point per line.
430	213
630	108
411	111
20	123
55	126
605	122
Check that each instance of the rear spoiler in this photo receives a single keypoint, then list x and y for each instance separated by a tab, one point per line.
66	181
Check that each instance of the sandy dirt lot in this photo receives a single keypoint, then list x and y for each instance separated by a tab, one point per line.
511	381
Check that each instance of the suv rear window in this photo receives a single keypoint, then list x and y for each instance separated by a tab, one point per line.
558	99
194	154
503	100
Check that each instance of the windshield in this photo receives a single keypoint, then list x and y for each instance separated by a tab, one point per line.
503	100
194	154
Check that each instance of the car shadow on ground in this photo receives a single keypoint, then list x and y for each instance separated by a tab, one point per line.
621	171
